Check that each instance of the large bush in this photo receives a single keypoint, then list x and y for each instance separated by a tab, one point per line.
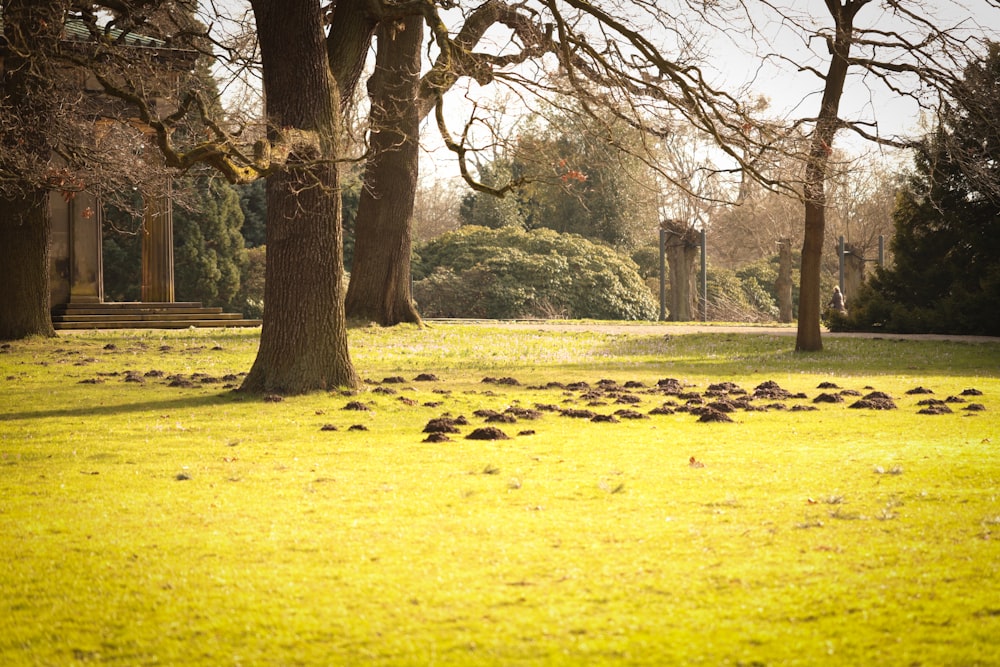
512	273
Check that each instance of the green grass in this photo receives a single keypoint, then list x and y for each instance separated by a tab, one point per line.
142	523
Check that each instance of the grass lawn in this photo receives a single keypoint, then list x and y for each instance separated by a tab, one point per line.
150	515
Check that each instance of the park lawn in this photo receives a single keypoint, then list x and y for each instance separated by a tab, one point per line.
145	523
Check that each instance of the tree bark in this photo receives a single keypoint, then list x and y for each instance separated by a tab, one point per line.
25	230
380	278
808	338
379	290
303	344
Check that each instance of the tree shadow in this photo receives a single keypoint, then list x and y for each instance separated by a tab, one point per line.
198	401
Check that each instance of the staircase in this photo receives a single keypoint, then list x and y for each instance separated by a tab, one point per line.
144	315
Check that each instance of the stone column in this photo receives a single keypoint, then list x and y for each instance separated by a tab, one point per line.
783	284
158	246
854	271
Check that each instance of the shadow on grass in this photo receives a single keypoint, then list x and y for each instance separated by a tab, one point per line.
198	401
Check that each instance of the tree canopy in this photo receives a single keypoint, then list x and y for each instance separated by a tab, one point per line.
576	179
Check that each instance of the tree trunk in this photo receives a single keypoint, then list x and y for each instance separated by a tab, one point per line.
783	284
25	230
808	337
380	278
379	290
31	30
303	344
682	251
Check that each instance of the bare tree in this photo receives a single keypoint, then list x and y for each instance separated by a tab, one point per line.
906	50
610	59
30	28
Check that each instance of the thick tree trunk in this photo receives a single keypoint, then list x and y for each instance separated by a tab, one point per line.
380	277
31	30
303	344
25	228
808	337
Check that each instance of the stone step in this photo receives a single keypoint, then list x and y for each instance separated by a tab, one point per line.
145	324
148	307
145	315
128	316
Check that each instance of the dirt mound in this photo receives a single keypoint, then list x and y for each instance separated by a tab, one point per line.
707	414
771	391
487	433
872	402
577	413
442	425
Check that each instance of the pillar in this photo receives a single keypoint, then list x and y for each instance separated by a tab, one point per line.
158	246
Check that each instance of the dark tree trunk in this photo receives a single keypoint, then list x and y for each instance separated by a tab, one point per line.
303	344
25	229
682	251
32	30
783	284
380	277
808	337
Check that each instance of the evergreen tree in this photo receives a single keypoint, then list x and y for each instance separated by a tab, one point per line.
946	274
253	203
121	237
209	249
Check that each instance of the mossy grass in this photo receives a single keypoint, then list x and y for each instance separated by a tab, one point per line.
149	514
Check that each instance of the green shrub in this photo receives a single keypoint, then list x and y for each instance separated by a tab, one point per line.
512	273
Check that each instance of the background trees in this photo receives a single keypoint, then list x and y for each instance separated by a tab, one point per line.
209	251
635	65
946	248
576	181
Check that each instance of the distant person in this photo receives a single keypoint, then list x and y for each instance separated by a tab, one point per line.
838	302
